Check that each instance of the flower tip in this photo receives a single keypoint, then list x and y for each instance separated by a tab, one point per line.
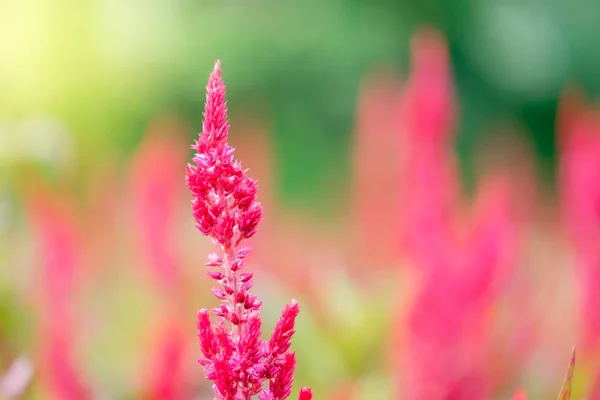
305	394
201	312
429	41
217	68
294	305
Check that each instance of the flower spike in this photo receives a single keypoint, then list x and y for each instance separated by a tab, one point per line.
225	208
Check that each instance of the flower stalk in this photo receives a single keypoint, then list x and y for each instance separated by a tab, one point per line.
225	208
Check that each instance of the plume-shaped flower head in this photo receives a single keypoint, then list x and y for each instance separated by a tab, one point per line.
224	205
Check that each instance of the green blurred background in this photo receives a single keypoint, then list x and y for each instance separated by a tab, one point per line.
102	69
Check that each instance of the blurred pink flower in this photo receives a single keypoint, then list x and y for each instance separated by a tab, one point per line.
165	380
156	194
58	245
594	393
461	259
102	207
429	174
579	145
224	205
62	374
376	164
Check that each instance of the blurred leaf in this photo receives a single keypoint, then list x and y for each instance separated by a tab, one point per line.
565	392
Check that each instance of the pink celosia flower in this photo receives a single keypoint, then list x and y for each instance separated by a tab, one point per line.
224	205
164	379
155	190
595	389
305	394
376	171
458	270
579	144
102	207
58	246
62	374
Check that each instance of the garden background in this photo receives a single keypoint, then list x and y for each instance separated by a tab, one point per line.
102	270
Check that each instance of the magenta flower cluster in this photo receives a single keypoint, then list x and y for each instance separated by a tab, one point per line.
236	359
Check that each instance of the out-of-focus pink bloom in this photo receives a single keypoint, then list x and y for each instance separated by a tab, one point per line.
520	395
579	143
595	389
377	170
224	205
504	149
460	258
63	377
102	217
58	246
155	185
429	110
164	381
429	174
156	195
429	182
